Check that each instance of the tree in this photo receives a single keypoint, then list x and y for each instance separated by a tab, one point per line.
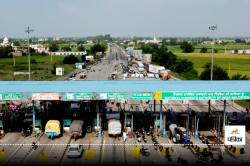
236	51
203	50
218	72
53	71
33	61
173	41
43	53
216	50
239	77
187	47
81	48
83	58
5	51
32	50
54	46
183	64
237	40
70	59
16	43
66	48
97	48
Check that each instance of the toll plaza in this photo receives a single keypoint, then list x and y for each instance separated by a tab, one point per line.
109	108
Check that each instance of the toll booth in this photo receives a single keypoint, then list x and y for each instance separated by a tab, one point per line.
1	126
66	125
188	122
128	122
38	126
216	119
156	121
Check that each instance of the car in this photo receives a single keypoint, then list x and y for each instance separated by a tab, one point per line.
88	68
70	79
75	150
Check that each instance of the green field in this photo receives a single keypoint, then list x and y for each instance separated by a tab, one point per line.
238	63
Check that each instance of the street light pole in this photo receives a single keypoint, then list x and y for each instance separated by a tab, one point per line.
28	31
212	28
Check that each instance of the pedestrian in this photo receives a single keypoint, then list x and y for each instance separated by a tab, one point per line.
123	77
151	129
137	109
85	109
222	148
124	135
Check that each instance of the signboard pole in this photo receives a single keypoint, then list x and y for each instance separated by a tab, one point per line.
34	116
208	107
161	117
154	106
97	115
132	123
224	115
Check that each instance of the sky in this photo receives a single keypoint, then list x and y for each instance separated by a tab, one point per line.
121	18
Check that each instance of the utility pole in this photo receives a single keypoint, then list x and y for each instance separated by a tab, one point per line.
28	31
212	28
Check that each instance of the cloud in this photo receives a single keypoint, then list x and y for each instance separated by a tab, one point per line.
68	8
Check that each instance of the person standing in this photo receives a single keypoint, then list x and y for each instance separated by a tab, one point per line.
137	109
124	135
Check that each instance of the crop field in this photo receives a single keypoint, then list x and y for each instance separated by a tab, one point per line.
238	63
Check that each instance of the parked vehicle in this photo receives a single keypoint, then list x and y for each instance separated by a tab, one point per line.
75	128
26	132
53	128
179	135
75	150
168	156
114	127
34	146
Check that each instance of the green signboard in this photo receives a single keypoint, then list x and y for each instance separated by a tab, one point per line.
1	124
141	96
95	122
158	122
79	96
112	96
67	122
128	121
38	123
10	96
204	95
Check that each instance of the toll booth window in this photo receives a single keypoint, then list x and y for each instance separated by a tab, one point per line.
128	124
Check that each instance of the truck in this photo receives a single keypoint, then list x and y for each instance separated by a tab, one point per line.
75	128
53	128
155	68
114	127
178	135
165	74
75	150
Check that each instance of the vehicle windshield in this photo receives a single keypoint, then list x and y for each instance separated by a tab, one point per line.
73	149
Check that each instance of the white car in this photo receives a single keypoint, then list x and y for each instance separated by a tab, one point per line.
75	150
70	79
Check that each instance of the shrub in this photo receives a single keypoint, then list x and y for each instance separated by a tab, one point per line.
33	61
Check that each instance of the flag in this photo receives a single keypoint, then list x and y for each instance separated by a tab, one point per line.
12	76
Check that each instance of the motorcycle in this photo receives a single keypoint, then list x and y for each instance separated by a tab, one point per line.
168	156
34	146
26	133
155	146
145	151
99	69
181	160
218	161
138	138
144	138
94	70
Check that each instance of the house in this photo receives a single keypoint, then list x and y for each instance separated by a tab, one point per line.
43	49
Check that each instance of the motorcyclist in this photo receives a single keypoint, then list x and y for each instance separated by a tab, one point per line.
94	70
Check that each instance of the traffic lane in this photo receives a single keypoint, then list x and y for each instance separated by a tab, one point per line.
12	138
199	105
229	108
75	160
49	145
154	154
112	154
135	103
176	105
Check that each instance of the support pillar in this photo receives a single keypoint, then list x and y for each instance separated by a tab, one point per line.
161	117
97	104
209	109
132	126
224	115
154	106
34	119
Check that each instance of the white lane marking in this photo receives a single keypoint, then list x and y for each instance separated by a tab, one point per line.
103	153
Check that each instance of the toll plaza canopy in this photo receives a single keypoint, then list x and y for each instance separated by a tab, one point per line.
124	89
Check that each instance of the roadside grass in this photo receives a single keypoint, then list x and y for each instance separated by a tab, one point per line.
177	75
239	63
243	103
42	71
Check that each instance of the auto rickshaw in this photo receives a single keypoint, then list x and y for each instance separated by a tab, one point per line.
53	128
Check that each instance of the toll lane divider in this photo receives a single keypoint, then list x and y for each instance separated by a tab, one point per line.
136	146
26	155
162	148
90	140
201	149
100	155
64	151
125	156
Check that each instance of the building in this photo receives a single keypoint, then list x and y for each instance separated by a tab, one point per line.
43	49
43	39
137	53
56	38
6	42
68	53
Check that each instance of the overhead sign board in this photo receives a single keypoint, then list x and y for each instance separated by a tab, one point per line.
10	96
204	95
79	96
141	96
158	95
45	96
112	96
